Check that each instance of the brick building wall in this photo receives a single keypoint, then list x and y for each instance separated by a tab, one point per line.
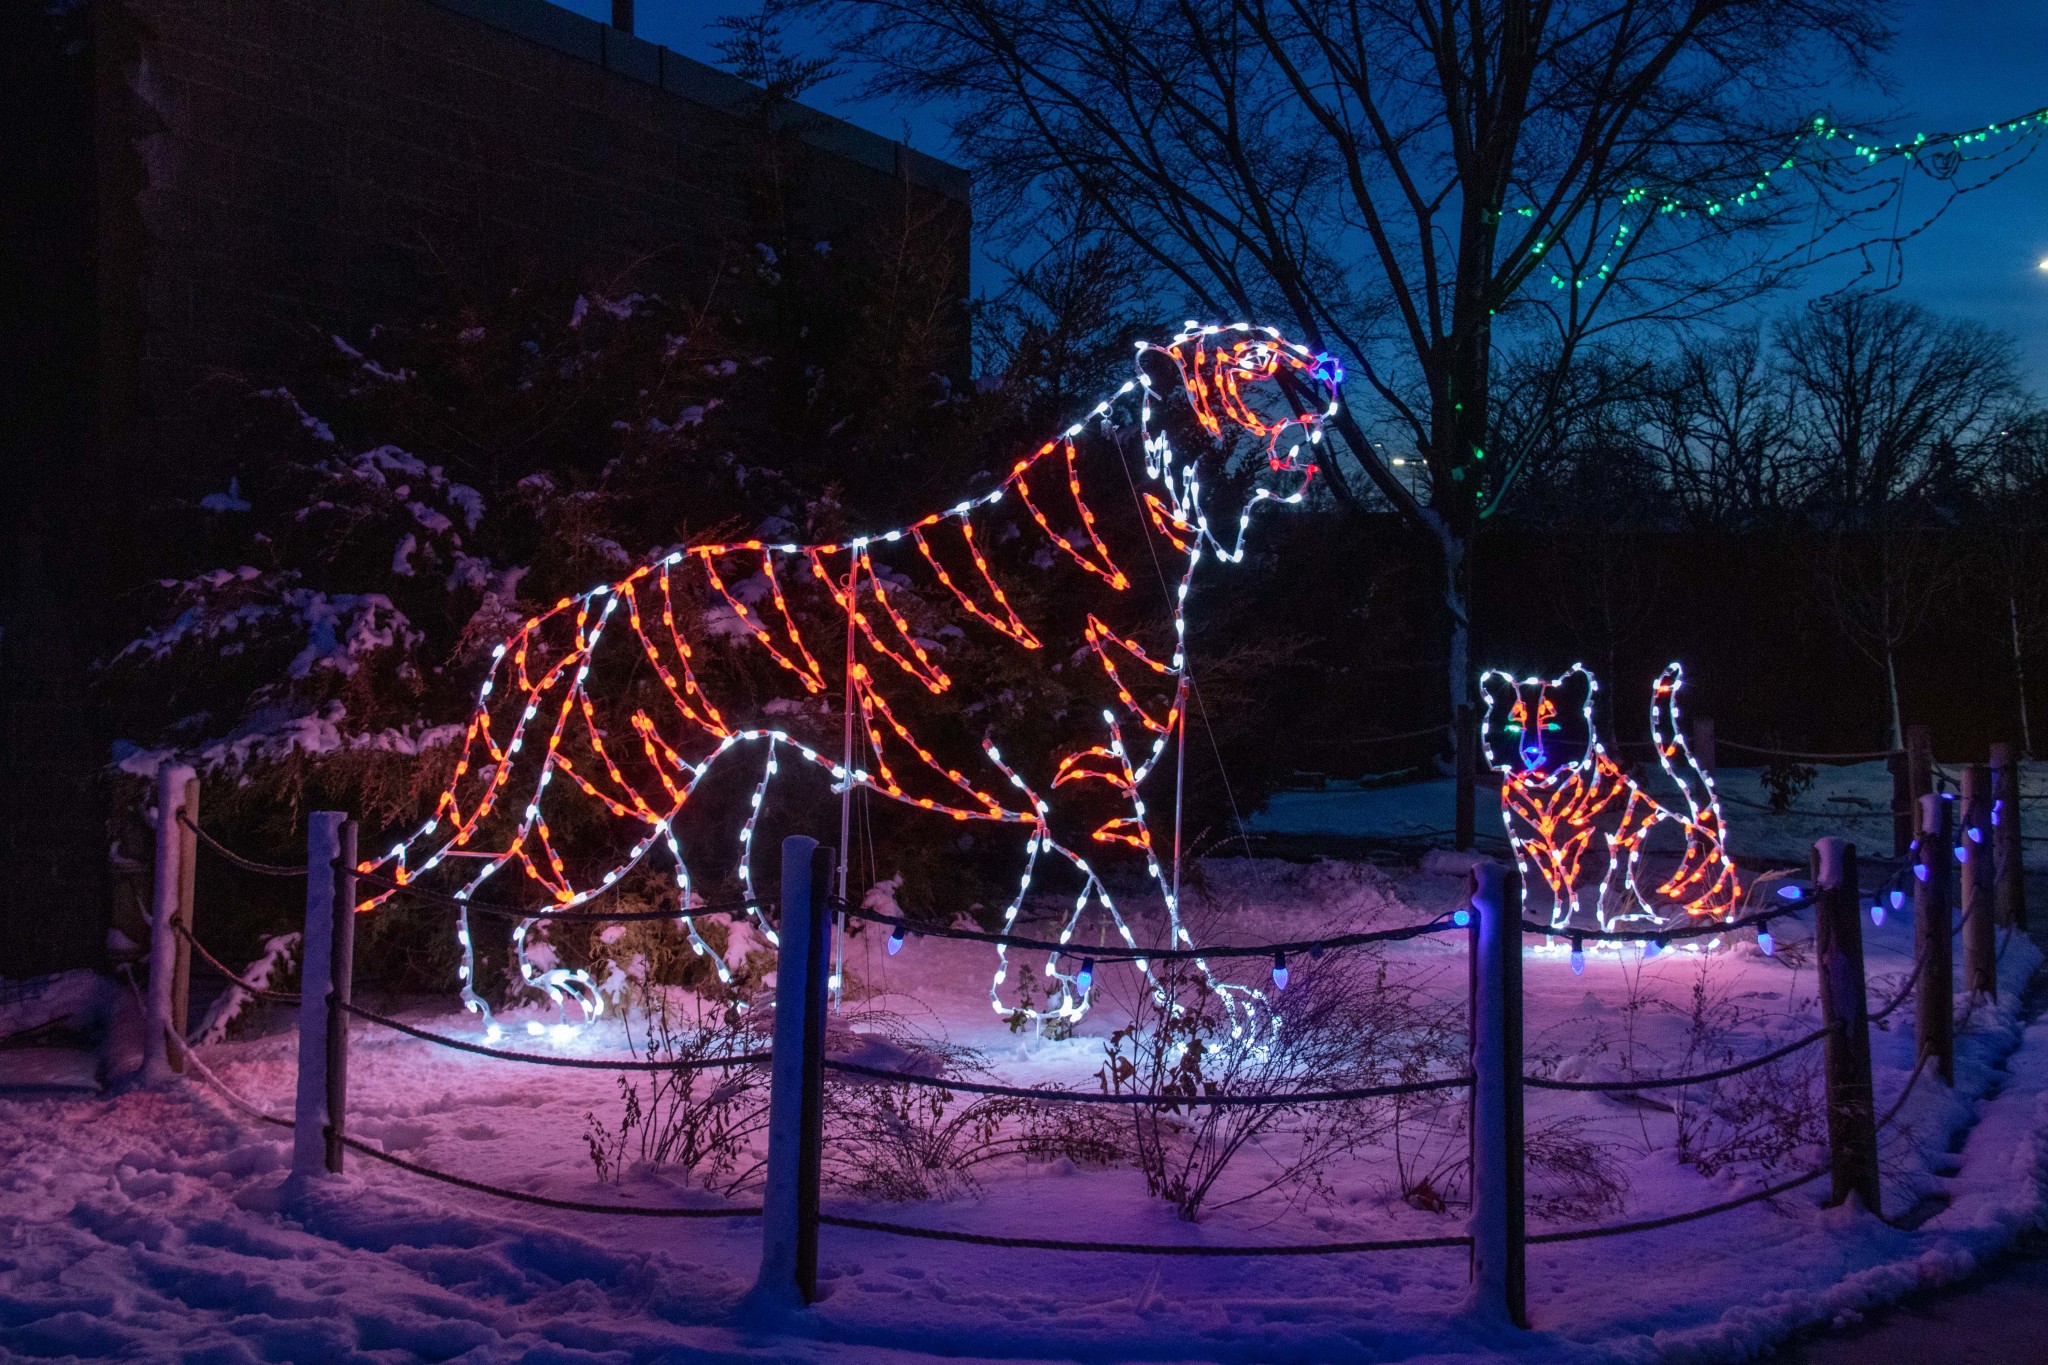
263	168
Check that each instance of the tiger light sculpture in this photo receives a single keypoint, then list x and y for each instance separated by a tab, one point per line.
1582	822
534	739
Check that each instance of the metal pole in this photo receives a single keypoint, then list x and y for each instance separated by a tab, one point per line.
1838	949
1934	1001
796	1108
342	979
1499	1271
846	793
310	1114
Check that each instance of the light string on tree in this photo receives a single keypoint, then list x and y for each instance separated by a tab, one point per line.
541	685
1941	155
1571	809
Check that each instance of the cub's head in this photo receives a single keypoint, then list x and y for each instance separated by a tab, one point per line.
1537	727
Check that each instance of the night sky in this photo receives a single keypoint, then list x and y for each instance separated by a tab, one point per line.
1955	65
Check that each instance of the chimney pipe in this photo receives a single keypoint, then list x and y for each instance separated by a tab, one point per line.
622	15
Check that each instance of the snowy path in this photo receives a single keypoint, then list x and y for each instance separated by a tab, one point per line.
149	1225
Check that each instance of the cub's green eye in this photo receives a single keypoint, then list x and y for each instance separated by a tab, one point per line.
1513	727
1553	725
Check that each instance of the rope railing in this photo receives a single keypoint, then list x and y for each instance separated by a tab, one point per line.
1700	1078
287	997
1126	953
536	1059
1811	814
1862	756
1673	1219
1140	1248
543	1201
246	864
1368	1092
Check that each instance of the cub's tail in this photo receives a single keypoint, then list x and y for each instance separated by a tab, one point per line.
1706	880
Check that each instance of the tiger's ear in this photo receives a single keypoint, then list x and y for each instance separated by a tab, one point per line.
1574	689
1498	690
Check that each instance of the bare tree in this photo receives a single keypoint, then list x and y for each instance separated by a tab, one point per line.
1895	404
1718	418
1411	183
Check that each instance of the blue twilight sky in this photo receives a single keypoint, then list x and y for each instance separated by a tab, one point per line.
1955	65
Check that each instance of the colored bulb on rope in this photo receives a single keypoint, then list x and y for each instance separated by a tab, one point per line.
1315	952
1578	956
1086	978
1976	834
1877	910
896	941
1279	971
1921	871
1898	899
1652	948
1791	892
1461	917
1764	942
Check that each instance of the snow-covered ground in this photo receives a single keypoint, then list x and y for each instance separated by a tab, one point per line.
153	1224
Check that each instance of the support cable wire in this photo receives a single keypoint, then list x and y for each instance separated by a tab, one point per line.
287	997
1811	814
536	1059
1217	1101
1139	1248
1120	953
1719	926
734	906
246	864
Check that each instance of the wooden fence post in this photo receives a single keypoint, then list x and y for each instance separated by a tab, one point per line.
316	973
1935	1001
162	1056
188	886
1499	1266
1703	743
2008	850
796	1093
1980	933
341	988
1466	797
1838	946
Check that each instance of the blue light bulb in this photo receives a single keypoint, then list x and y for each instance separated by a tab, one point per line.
1764	941
1652	948
896	941
1279	971
1461	917
1791	892
1898	899
1578	956
1086	978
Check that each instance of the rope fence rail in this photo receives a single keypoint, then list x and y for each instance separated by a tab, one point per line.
1140	1248
1700	1078
537	1059
246	864
250	988
1673	1219
1369	1092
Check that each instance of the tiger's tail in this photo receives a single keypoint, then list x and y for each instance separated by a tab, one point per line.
1706	880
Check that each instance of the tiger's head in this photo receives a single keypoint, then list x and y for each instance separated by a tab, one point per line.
1538	728
1249	379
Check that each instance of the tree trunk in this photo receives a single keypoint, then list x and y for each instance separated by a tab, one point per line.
1891	677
